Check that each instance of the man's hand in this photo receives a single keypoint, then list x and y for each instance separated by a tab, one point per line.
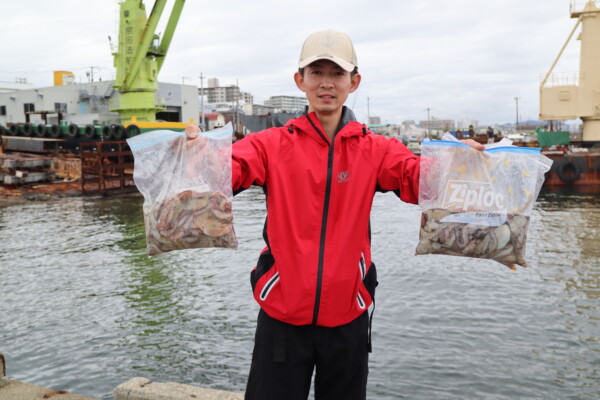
473	144
192	131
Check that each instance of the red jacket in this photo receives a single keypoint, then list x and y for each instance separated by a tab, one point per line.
316	268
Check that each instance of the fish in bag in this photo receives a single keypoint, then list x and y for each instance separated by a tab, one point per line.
186	186
478	203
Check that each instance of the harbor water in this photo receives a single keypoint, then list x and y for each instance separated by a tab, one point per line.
83	309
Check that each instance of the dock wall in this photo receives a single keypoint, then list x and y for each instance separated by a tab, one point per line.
143	389
134	389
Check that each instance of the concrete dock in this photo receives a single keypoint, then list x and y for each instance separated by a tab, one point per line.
134	389
143	389
15	390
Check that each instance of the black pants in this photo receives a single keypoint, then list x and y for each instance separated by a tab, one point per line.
285	355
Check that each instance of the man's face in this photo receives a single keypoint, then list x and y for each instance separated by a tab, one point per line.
326	85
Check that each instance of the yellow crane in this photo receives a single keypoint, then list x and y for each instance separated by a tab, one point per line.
138	61
572	96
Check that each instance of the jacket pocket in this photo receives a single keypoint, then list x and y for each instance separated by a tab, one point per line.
269	285
263	265
361	303
366	294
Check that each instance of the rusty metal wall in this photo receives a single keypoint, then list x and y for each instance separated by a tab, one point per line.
106	167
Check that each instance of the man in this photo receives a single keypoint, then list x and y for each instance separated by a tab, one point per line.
315	280
490	135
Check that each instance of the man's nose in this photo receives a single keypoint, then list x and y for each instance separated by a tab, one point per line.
327	81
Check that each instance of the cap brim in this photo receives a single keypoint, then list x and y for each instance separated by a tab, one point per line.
342	63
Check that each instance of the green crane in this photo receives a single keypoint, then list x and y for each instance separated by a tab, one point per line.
139	58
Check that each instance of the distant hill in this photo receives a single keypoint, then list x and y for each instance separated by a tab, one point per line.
530	122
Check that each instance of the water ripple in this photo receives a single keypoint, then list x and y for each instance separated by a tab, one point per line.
84	309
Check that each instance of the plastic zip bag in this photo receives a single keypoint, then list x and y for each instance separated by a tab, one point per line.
478	203
186	186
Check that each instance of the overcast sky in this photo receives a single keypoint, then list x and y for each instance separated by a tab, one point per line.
459	58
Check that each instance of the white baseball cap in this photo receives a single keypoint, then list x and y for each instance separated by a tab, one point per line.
329	45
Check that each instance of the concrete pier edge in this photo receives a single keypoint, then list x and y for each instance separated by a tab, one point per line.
137	388
142	389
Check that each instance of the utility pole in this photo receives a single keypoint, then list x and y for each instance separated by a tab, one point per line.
91	73
183	78
368	110
517	101
237	115
203	127
428	124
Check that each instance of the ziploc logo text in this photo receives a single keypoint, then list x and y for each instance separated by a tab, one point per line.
472	195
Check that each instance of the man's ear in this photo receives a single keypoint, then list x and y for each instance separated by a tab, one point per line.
355	82
299	79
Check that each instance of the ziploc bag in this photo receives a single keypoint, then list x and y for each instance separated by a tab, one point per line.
186	186
478	203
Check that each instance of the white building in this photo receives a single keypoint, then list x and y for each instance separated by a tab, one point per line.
18	84
257	109
215	93
466	122
91	102
374	120
437	124
289	104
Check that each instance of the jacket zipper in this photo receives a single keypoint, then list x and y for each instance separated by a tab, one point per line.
323	223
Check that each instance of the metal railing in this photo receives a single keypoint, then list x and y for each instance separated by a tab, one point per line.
561	79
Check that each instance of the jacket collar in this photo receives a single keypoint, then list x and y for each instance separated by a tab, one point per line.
307	122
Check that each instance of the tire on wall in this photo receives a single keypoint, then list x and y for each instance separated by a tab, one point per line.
89	131
54	131
568	171
107	132
72	130
132	130
14	130
118	131
27	129
40	130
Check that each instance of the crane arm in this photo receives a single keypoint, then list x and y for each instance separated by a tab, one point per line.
144	43
169	31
